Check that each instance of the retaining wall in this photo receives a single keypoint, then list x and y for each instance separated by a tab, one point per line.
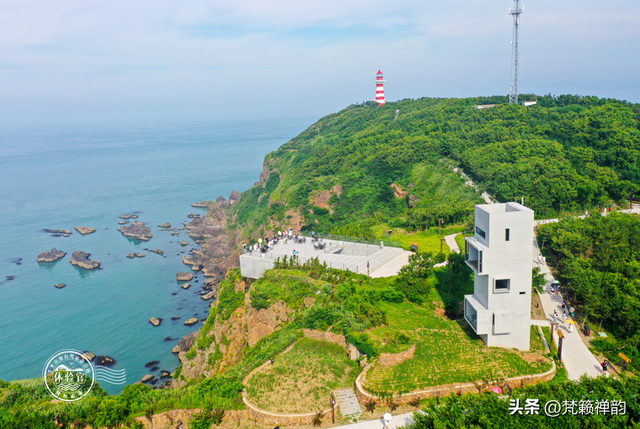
439	391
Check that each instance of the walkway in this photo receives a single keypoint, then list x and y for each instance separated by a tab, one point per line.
348	403
576	357
396	422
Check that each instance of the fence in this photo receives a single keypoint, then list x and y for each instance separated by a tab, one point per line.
352	239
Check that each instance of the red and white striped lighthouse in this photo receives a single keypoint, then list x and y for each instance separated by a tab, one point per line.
379	88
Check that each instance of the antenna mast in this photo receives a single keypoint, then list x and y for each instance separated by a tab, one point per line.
515	12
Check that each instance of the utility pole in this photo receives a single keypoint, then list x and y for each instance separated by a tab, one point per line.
440	226
442	240
515	12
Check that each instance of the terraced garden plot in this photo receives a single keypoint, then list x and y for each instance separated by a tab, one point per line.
446	352
301	380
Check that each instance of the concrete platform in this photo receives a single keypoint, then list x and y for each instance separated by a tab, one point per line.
383	261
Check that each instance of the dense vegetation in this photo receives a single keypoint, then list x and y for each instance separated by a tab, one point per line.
598	258
563	154
591	408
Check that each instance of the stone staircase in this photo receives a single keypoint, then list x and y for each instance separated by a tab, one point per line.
348	403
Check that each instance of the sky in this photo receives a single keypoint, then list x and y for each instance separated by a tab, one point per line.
93	61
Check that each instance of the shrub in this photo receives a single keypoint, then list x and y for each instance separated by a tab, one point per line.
370	406
317	418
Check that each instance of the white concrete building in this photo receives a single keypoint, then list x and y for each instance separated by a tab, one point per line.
499	310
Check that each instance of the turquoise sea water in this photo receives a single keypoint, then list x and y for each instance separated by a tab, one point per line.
63	178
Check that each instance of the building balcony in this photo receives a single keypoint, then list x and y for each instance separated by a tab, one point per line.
473	254
476	315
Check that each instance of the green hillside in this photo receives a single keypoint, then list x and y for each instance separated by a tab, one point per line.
361	166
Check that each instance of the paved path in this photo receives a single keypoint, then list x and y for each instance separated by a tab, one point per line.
348	403
451	242
396	422
576	357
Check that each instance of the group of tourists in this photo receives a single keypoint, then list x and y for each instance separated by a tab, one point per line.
268	243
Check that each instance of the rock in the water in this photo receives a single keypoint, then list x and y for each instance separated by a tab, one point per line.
147	377
136	230
51	256
9	277
57	231
168	339
134	216
186	286
154	369
81	259
187	341
60	285
188	260
191	321
165	225
125	216
184	277
175	318
201	204
90	356
193	215
140	255
176	350
123	222
209	296
158	251
84	230
165	374
184	243
155	321
105	361
131	255
152	363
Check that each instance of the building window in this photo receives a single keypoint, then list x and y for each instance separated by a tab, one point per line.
480	232
502	285
506	234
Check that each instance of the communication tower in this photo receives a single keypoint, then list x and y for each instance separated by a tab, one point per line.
515	12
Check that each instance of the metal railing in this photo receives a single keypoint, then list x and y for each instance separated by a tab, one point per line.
350	239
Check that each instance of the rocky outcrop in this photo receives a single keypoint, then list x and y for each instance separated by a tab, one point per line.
136	230
186	286
105	361
204	227
191	321
128	216
184	243
184	277
90	356
210	295
58	231
146	378
234	197
51	256
60	285
201	204
81	259
84	230
188	260
165	225
155	321
413	200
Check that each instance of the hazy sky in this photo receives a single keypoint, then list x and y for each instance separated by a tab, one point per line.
138	60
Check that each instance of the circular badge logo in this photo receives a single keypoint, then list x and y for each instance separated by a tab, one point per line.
69	376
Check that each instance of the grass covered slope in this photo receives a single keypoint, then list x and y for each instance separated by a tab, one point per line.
361	167
302	379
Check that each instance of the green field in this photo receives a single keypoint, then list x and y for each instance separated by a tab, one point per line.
301	380
446	352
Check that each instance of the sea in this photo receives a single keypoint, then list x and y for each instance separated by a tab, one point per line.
59	177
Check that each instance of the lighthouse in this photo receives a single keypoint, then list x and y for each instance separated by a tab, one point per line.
379	88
